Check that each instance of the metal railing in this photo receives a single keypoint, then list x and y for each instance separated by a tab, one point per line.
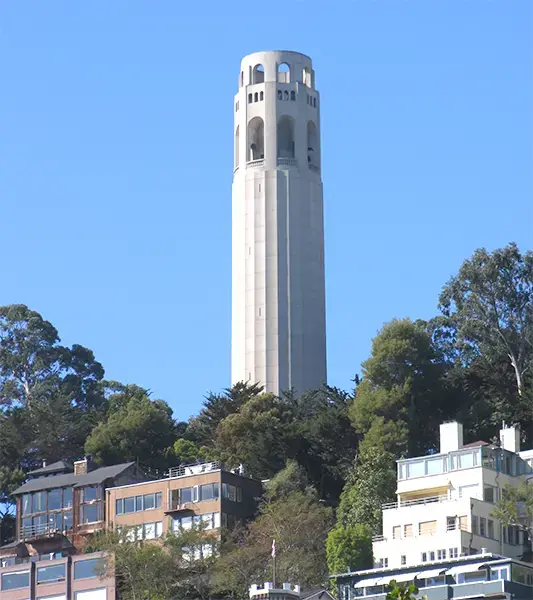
416	502
378	538
194	469
33	531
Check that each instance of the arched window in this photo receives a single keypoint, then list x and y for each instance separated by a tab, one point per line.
261	96
256	97
280	95
284	73
314	102
256	139
306	77
258	74
285	95
250	98
312	145
293	96
286	137
241	79
237	147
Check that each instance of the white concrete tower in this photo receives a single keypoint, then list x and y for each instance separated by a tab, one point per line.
278	309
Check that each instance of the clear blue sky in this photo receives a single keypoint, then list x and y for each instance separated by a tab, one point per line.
116	163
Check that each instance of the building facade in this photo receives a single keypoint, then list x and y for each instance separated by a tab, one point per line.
66	501
474	577
54	576
445	501
278	284
440	533
204	493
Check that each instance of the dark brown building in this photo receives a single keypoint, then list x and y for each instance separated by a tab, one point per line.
67	501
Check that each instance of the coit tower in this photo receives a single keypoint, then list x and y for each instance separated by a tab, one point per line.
278	286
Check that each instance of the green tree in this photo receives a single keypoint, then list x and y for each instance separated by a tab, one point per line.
299	523
488	311
371	484
177	568
516	507
403	387
34	366
202	428
260	436
402	591
349	549
138	429
326	441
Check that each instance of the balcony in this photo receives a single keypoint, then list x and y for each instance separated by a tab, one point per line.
259	162
287	162
176	507
32	532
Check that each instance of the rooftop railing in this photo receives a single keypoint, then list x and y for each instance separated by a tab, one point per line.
194	469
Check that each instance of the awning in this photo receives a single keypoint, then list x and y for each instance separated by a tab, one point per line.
471	568
368	582
429	573
400	578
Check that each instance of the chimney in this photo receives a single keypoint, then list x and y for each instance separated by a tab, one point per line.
83	466
451	437
510	438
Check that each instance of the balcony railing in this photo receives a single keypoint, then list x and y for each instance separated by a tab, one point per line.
416	502
287	162
198	469
259	162
44	530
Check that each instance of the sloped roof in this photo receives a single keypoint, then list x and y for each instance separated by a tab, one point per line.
52	468
71	480
316	594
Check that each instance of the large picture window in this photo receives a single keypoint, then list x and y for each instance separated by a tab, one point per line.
91	509
138	503
47	510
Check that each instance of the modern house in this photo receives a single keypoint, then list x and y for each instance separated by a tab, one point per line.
445	501
202	493
469	578
440	532
67	502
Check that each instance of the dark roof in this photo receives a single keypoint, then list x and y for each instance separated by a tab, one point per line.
53	468
71	480
316	594
11	545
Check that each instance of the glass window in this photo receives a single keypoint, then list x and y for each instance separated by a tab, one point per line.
86	569
67	520
91	493
454	553
490	528
186	522
13	581
55	520
482	526
139	505
488	494
239	494
149	501
90	513
158	499
26	504
417	468
403	559
129	505
441	554
185	495
52	573
159	529
119	506
149	531
26	525
432	555
475	524
208	491
424	557
67	497
466	460
55	501
39	502
434	466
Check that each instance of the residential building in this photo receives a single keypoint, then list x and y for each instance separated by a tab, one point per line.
278	282
288	592
54	576
201	493
445	502
469	578
60	503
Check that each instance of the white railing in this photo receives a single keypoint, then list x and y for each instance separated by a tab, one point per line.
32	531
289	162
416	502
194	469
378	538
256	163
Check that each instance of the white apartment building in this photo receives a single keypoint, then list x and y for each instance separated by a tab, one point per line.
445	501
